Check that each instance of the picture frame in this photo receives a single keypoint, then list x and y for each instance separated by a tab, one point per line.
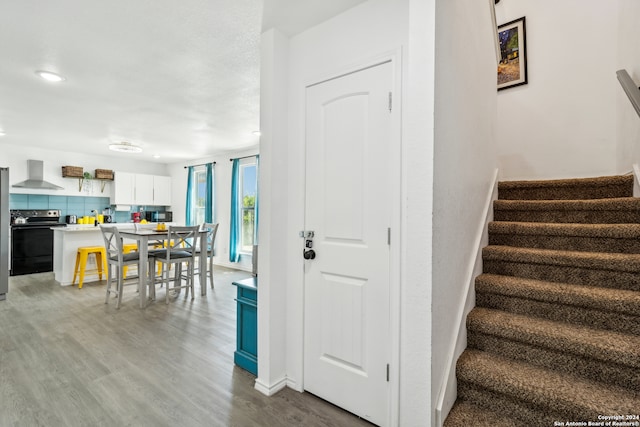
512	67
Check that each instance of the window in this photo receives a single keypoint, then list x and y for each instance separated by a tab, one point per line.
249	194
244	207
199	195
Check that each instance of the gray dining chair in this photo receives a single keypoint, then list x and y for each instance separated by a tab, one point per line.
117	260
212	230
180	249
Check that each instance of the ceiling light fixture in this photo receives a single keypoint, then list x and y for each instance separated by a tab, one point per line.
2	133
256	133
125	147
50	76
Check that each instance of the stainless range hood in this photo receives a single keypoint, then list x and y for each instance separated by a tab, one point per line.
35	177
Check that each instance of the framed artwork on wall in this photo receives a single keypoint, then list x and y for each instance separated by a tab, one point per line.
512	69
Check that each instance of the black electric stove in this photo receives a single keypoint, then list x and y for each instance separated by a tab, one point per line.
32	240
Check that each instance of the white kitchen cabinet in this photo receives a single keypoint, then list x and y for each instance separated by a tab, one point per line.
144	190
124	189
162	190
141	189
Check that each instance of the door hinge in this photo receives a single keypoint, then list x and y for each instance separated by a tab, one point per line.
389	236
387	372
390	101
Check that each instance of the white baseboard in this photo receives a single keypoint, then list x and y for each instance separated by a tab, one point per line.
270	390
448	389
234	265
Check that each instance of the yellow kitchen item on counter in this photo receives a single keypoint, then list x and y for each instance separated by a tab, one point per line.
101	218
144	221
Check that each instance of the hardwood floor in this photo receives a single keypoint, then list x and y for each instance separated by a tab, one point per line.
67	359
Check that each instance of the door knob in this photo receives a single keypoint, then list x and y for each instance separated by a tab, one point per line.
309	254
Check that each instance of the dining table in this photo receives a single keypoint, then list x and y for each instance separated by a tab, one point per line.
147	236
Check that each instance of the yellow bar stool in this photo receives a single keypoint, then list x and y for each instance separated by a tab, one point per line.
129	247
81	262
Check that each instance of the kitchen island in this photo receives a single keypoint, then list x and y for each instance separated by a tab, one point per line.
67	240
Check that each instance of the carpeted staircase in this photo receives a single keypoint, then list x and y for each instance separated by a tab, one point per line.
555	334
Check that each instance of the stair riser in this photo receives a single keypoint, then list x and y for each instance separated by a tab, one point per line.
595	318
566	192
595	370
567	216
499	403
566	274
566	243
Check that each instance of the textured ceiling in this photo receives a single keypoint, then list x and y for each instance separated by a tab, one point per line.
179	79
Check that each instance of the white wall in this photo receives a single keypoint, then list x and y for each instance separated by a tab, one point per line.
417	205
274	217
222	190
563	122
464	160
628	51
15	157
372	29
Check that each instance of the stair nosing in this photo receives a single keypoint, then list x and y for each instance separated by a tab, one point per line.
566	229
610	261
577	204
600	181
603	345
579	296
497	418
521	380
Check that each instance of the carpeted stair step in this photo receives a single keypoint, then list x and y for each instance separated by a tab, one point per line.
609	270
555	333
569	237
535	395
598	355
598	211
466	414
568	189
602	308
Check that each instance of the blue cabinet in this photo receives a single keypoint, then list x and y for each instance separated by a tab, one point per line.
246	354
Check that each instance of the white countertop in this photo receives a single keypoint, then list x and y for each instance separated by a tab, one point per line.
74	228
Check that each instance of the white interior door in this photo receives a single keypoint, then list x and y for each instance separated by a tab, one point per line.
348	206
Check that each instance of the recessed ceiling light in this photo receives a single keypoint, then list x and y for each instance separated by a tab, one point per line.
125	147
50	76
2	133
156	156
256	133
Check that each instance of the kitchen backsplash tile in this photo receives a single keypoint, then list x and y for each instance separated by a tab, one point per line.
71	205
75	204
18	201
68	205
38	201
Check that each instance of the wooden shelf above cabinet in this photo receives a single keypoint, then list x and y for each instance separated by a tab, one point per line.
105	174
102	175
72	172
